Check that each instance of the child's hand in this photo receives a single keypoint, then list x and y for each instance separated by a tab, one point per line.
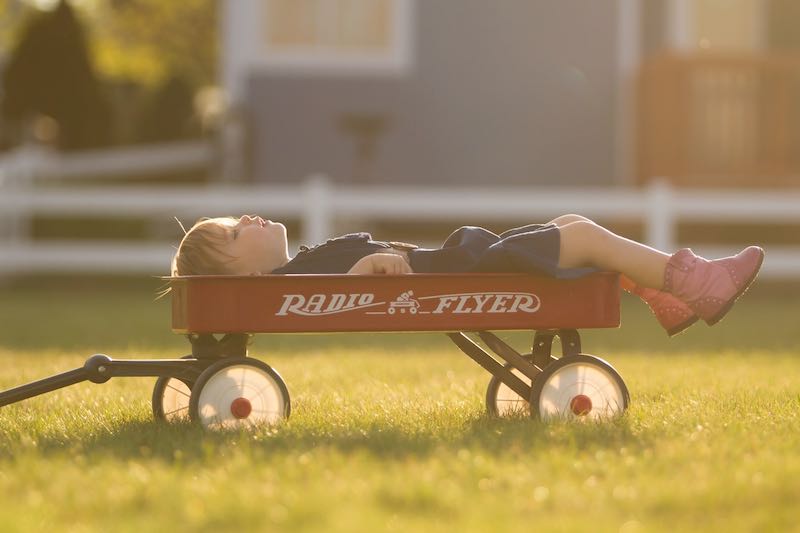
381	264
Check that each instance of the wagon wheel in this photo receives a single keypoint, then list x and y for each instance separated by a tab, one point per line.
239	392
171	398
503	402
579	387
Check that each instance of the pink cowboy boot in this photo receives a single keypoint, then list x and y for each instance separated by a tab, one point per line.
673	315
710	288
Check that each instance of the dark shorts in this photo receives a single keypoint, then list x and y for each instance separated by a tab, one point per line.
534	248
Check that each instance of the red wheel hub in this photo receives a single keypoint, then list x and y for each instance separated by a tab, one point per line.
580	404
241	408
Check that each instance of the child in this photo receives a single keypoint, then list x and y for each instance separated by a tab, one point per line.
679	288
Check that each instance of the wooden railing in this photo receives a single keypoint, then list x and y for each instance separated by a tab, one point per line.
711	120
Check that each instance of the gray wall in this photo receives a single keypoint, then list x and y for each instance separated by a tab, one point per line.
514	92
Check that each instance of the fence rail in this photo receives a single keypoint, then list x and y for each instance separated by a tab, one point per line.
318	203
29	162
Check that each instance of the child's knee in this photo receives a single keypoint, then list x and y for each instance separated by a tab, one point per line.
569	219
580	218
589	234
587	227
580	241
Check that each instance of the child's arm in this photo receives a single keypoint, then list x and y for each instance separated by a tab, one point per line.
381	264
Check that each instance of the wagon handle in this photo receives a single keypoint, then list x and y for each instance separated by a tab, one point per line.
100	368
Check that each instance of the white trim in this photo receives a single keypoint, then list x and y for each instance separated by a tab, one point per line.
761	23
239	36
680	30
317	60
628	58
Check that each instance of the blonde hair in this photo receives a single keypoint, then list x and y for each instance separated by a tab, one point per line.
200	250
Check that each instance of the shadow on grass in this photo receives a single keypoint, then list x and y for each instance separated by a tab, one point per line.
187	443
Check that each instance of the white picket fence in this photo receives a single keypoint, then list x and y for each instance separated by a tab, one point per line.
318	203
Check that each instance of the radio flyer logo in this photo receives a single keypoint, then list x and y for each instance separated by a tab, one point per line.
404	302
407	303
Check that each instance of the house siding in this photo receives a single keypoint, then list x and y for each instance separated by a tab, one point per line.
515	92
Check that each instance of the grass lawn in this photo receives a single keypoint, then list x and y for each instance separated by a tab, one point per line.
389	432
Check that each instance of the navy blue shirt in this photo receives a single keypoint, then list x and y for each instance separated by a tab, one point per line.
528	249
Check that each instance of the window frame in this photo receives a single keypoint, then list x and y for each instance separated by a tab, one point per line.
398	60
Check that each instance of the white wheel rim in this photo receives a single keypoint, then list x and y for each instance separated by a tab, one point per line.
508	403
175	400
575	383
237	384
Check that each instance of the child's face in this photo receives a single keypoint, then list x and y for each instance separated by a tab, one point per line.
256	246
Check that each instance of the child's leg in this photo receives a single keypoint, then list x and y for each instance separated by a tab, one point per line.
709	288
584	243
625	282
673	315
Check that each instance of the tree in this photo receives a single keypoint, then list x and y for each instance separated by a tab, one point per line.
12	12
49	73
168	114
166	50
151	41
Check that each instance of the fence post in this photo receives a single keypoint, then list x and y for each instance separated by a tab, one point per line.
316	213
22	166
660	217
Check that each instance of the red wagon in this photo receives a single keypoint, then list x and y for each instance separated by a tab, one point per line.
218	385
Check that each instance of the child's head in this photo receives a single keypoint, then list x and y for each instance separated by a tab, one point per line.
242	246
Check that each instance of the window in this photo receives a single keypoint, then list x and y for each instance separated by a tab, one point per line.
367	35
729	24
726	25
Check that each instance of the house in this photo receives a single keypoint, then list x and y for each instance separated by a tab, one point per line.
532	92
